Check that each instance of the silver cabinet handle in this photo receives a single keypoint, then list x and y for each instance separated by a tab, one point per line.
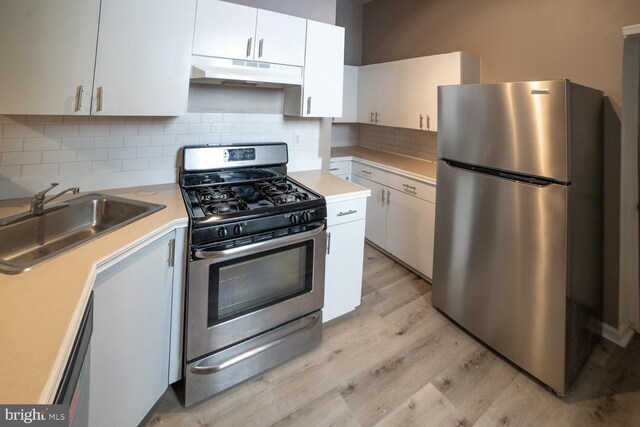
388	197
309	105
99	100
79	98
260	44
249	41
367	172
376	117
334	169
259	246
172	252
349	212
428	122
204	369
382	195
421	117
409	187
328	243
371	117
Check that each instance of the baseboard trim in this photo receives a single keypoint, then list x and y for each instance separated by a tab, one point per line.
621	336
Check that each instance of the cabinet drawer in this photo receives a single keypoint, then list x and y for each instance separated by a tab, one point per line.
341	167
413	187
346	211
369	172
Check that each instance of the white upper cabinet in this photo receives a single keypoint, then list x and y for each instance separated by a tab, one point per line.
228	30
139	52
143	61
405	93
48	56
349	95
321	93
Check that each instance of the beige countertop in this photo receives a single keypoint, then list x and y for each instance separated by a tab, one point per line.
41	309
333	189
424	170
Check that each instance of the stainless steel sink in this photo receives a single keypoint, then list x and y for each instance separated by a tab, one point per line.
38	238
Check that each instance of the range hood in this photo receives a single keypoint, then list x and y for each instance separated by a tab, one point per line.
205	69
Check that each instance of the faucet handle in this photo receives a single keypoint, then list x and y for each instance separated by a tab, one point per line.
41	194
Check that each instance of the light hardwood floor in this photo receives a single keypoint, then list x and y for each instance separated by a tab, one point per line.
396	361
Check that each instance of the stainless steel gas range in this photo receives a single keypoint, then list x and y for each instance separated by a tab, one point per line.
255	276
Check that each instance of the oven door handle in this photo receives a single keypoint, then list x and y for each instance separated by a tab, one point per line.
258	247
212	369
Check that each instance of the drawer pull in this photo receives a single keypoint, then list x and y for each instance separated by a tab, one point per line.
367	172
334	169
409	187
349	212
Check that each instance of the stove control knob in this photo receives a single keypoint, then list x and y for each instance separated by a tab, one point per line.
304	216
293	219
222	232
237	229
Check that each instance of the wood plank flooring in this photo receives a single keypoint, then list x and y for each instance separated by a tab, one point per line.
396	361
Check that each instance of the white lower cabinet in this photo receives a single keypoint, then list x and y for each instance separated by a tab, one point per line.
345	255
400	215
131	345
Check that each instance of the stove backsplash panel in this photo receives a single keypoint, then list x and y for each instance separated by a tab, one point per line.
101	152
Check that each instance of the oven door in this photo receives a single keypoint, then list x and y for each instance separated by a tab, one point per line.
235	294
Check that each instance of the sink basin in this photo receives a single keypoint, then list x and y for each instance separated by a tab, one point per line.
63	227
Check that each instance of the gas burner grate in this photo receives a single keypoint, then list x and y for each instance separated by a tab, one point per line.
223	207
274	188
215	194
292	197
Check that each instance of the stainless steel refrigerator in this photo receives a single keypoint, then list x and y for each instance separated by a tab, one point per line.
518	240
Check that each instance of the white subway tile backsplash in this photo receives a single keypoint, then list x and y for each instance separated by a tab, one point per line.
163	139
149	151
8	173
200	128
11	144
23	131
40	171
109	142
122	129
21	158
33	144
104	166
93	130
151	129
44	147
137	141
93	154
122	153
75	168
59	156
77	142
135	164
61	130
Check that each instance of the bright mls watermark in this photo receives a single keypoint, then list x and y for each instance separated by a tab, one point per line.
36	415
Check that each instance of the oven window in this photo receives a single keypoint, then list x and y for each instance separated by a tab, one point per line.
247	284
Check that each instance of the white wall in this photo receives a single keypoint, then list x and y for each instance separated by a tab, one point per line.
96	153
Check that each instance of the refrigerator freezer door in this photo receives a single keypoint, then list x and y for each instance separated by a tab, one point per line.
518	127
500	266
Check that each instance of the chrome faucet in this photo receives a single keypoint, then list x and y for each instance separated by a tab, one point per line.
38	200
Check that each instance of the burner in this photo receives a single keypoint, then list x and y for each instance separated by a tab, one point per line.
292	197
217	208
274	188
216	194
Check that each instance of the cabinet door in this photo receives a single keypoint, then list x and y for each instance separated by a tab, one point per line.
411	90
280	39
323	69
48	52
224	30
366	93
131	336
442	70
143	58
410	230
349	95
387	104
343	268
376	226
